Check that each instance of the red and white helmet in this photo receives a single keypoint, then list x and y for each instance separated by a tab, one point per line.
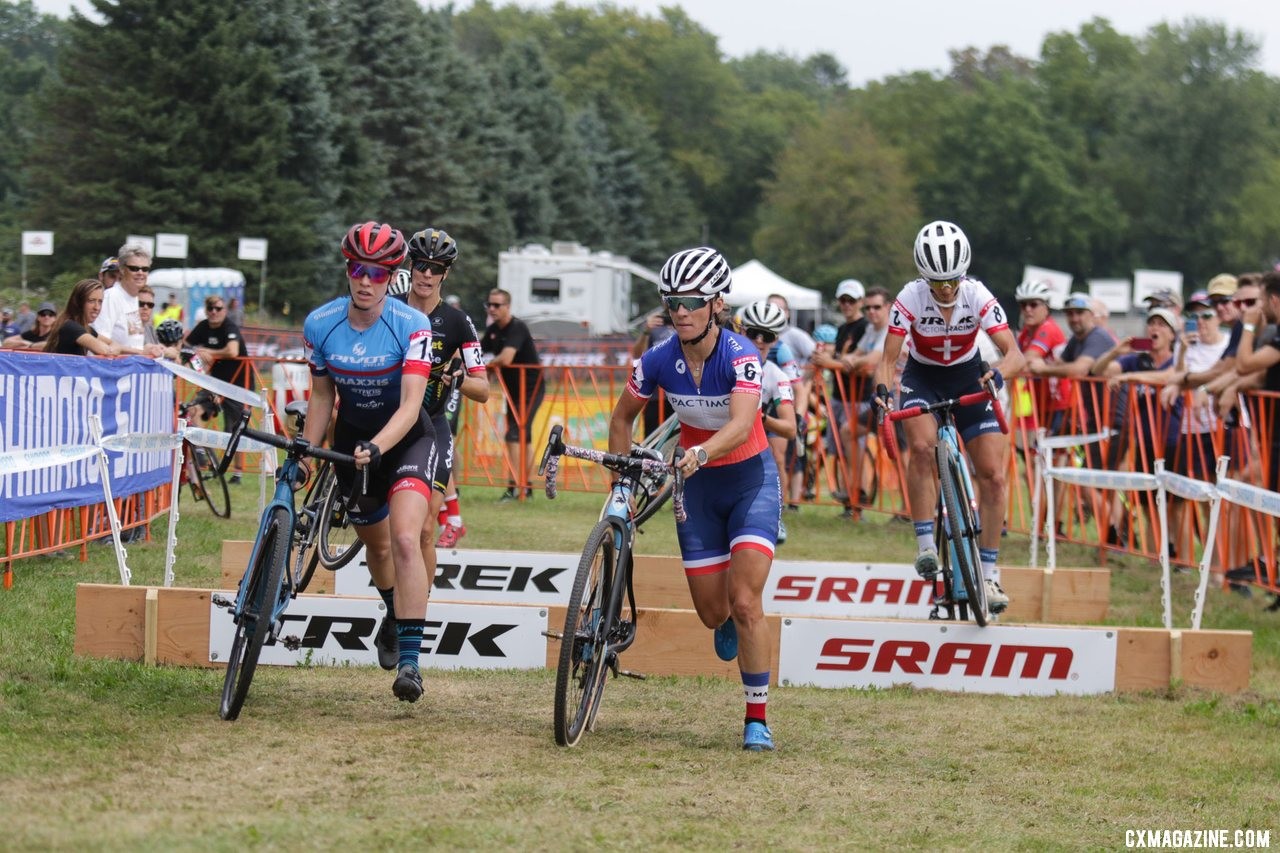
374	243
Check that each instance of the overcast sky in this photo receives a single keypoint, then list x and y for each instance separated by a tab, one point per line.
875	39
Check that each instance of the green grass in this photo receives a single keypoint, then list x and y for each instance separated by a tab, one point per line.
118	756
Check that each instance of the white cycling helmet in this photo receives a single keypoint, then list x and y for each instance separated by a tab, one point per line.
851	288
764	315
942	251
402	284
695	272
1029	291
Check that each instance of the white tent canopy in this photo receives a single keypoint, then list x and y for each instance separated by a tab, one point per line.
754	281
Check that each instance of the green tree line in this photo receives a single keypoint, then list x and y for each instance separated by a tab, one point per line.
629	133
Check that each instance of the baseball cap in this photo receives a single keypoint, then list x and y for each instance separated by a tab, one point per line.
825	334
109	265
1164	296
1174	321
1077	302
47	306
1199	297
851	288
1223	284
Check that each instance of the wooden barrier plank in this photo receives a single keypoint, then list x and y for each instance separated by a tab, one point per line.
109	621
235	559
183	638
110	624
150	626
671	642
1217	660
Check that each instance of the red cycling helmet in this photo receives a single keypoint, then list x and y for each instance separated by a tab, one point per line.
374	243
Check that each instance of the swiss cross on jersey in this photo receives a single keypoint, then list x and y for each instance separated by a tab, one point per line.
939	340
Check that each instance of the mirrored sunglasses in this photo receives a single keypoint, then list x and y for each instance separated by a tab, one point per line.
376	274
688	303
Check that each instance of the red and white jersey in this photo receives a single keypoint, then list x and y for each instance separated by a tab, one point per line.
934	340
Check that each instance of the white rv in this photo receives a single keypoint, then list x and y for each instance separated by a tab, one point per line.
568	290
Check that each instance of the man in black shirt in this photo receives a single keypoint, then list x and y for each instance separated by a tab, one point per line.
510	343
218	342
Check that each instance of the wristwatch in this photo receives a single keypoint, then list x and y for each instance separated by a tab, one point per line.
699	454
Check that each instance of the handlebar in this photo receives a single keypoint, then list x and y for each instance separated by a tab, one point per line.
296	447
889	438
632	465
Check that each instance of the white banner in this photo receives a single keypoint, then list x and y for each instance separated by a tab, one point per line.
37	242
143	442
494	577
144	241
252	249
1147	282
217	386
171	246
16	461
852	590
1007	659
1114	292
216	440
340	631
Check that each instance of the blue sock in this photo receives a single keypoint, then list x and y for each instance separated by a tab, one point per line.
409	632
988	558
389	599
924	536
755	687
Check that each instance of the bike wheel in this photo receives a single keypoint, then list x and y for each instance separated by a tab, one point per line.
265	581
655	489
962	531
337	543
580	675
212	482
305	568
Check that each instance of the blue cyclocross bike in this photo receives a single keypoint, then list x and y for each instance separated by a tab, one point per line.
269	583
957	525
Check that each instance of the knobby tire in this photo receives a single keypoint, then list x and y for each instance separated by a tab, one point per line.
581	672
962	532
265	587
338	543
212	482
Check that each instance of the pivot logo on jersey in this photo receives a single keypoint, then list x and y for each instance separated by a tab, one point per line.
680	368
358	349
919	657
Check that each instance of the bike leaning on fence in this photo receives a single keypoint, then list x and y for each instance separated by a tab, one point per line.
600	620
269	582
963	593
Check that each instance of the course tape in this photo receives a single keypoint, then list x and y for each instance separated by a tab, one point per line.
1122	480
1058	442
217	386
142	442
17	461
219	440
1185	487
1252	497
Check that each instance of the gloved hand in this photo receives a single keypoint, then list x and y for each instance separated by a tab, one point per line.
375	453
619	502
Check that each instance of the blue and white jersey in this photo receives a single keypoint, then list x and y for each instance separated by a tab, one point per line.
366	366
703	407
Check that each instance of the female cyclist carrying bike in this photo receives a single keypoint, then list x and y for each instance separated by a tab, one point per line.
373	355
711	377
941	313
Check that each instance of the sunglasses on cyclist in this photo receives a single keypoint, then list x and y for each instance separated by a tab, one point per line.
433	267
946	282
688	303
376	274
761	335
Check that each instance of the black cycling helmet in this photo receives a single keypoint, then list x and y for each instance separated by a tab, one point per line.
169	331
433	244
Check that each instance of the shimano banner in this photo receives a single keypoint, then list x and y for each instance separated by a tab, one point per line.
45	403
